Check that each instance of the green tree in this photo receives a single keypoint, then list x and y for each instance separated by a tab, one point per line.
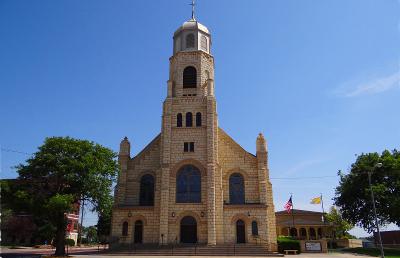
340	225
91	234
104	222
353	194
62	172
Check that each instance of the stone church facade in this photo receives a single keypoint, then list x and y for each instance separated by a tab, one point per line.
193	183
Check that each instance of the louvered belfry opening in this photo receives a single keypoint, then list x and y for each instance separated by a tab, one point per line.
189	77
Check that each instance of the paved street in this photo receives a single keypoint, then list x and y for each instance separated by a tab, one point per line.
330	255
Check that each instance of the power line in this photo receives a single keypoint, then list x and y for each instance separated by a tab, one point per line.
273	178
15	151
298	178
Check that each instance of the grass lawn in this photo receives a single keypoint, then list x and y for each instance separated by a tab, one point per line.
389	253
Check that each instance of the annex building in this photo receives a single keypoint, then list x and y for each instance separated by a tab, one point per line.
193	183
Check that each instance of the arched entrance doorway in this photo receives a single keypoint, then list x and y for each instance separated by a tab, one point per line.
303	233
293	232
138	235
313	235
188	230
240	232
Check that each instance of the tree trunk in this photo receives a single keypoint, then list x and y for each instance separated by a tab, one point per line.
60	241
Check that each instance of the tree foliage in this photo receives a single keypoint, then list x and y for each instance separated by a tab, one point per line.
104	223
89	234
340	225
63	172
353	194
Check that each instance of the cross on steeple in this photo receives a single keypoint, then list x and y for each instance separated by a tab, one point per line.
193	4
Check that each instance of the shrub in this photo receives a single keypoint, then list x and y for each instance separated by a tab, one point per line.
288	243
70	242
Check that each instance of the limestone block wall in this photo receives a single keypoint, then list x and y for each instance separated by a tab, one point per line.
178	210
204	64
146	162
233	158
149	217
182	210
247	213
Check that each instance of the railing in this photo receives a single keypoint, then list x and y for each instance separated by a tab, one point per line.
175	248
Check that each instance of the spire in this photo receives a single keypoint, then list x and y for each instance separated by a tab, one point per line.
193	4
261	143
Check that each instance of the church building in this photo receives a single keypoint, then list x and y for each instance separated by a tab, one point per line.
193	183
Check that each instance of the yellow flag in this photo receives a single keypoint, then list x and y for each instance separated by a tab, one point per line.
316	200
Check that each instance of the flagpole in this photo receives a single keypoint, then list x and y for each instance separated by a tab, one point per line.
323	215
322	204
291	197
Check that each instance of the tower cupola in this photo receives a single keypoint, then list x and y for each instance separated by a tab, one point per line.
192	36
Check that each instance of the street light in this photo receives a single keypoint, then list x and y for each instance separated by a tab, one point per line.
377	165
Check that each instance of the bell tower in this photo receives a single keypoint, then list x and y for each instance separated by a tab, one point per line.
189	131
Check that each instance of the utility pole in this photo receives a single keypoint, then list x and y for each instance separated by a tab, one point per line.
80	227
378	165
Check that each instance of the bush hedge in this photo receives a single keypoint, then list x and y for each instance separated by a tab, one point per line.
288	243
69	242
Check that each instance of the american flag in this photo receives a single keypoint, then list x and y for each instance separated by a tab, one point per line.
289	205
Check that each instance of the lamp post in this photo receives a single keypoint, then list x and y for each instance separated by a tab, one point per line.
378	165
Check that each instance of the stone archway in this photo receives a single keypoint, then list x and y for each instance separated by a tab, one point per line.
240	231
138	233
188	230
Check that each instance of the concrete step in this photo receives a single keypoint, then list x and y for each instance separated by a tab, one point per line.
200	250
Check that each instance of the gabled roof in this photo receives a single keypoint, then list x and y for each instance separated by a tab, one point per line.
233	142
148	147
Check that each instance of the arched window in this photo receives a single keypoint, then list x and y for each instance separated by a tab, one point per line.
319	233
303	233
179	120
203	43
125	228
313	235
146	190
236	189
293	232
254	228
198	119
189	77
188	185
189	119
190	40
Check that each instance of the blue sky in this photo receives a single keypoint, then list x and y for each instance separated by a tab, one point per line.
320	79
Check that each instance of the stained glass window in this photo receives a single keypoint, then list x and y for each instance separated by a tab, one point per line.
146	190
254	228
179	120
236	189
189	119
188	185
198	119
